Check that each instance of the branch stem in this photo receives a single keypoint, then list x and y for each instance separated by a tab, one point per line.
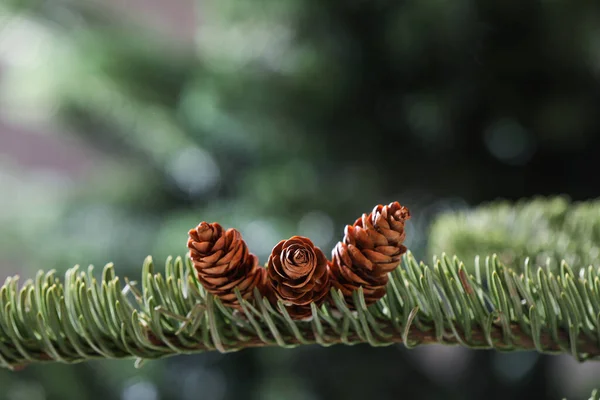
82	320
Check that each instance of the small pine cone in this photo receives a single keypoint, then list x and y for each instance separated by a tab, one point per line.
298	275
223	262
372	247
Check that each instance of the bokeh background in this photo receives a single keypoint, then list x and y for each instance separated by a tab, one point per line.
123	123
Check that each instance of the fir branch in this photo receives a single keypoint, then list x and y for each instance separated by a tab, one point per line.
545	230
47	320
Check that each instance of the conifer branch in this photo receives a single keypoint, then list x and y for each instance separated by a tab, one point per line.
545	230
166	314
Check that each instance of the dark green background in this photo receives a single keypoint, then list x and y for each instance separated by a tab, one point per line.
294	117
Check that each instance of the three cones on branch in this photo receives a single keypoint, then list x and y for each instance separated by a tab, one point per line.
298	273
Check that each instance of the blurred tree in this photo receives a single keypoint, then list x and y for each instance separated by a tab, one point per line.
295	117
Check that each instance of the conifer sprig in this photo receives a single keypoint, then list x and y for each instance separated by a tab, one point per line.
541	228
169	313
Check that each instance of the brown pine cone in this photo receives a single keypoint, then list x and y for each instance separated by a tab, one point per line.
223	262
298	275
372	247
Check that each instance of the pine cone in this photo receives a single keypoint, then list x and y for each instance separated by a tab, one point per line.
372	247
298	275
223	262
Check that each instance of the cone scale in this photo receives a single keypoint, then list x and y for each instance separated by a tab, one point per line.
371	248
223	263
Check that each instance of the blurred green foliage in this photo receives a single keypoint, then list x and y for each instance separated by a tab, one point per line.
293	118
543	230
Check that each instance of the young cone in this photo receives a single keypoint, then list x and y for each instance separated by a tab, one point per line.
298	275
372	247
223	262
